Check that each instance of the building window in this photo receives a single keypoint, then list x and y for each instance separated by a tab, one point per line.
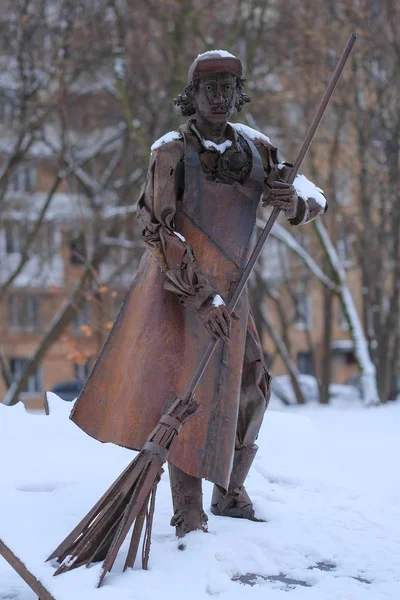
275	264
343	322
81	319
344	351
345	247
34	384
23	179
24	312
350	358
303	311
77	247
9	110
82	371
305	363
44	244
343	186
117	298
13	237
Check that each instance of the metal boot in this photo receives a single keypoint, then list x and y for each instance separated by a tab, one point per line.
236	502
187	499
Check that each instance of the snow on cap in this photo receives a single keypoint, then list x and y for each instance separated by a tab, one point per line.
215	61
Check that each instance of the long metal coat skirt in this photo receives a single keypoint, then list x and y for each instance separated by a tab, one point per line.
156	344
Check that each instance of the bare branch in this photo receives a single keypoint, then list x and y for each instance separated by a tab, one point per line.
290	242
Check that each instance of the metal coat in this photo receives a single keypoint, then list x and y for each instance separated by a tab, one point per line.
156	344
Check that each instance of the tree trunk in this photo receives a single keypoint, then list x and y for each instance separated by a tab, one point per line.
292	369
326	362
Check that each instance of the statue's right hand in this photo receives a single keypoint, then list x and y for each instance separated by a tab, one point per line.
216	319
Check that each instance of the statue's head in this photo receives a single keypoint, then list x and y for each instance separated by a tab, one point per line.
214	87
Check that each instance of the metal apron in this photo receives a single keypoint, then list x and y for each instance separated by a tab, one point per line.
218	221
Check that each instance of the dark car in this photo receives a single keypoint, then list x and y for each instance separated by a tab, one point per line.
68	390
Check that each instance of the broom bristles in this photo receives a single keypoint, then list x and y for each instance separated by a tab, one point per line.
102	531
130	500
109	496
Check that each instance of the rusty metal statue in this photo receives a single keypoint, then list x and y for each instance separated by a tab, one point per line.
186	324
197	211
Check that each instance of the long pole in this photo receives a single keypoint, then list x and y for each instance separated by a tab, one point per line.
275	212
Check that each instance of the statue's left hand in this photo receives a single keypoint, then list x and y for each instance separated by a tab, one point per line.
284	196
216	319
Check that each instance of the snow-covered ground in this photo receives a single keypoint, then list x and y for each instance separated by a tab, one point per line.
326	480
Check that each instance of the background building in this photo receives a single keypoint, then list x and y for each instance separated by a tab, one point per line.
85	88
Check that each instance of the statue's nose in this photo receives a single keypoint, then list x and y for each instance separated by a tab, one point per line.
219	99
218	94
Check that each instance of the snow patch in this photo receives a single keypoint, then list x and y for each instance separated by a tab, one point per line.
180	236
69	560
323	479
222	53
119	67
171	136
217	300
220	147
251	133
306	189
342	345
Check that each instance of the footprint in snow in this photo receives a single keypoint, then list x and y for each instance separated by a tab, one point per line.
254	579
9	595
38	487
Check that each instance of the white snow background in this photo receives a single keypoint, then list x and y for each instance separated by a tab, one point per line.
326	480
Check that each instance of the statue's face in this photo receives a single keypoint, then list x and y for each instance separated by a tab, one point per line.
215	97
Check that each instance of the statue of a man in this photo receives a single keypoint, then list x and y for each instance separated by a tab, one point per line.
197	211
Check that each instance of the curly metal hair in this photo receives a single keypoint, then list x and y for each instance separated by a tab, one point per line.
185	99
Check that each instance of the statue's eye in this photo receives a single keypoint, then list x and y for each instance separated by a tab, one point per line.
208	88
227	87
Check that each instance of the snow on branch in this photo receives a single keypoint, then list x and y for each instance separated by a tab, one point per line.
341	288
75	167
367	367
121	243
111	212
280	233
133	178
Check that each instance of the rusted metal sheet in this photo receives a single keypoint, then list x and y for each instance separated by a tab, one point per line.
24	572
